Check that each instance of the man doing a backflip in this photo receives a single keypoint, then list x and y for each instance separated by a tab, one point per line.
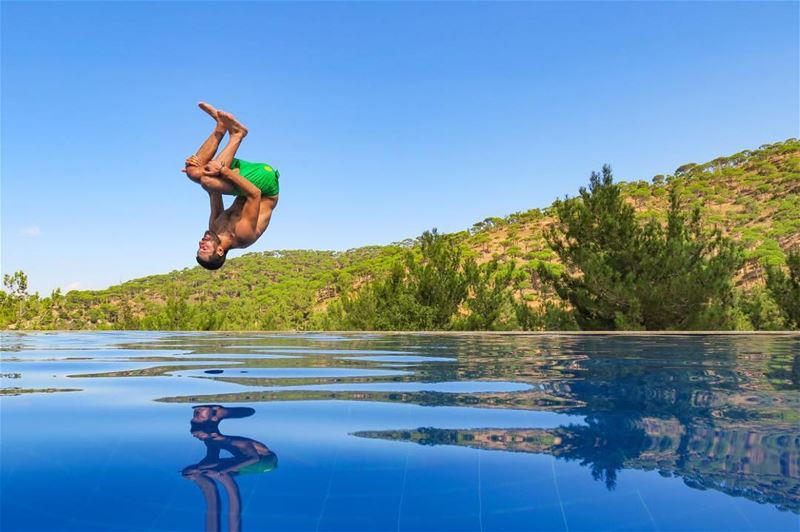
255	186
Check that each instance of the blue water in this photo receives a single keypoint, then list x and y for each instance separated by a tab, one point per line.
399	432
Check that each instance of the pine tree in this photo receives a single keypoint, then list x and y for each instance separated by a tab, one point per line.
421	292
785	289
621	274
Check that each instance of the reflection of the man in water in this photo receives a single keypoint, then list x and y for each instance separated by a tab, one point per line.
247	456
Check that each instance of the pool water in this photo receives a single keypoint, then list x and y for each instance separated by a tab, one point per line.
193	431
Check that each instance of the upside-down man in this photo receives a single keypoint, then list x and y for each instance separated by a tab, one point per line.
255	186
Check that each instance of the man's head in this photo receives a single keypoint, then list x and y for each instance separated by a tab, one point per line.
210	252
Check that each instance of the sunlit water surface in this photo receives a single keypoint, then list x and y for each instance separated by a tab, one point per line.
184	431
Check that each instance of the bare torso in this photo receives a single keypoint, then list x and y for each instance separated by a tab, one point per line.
225	224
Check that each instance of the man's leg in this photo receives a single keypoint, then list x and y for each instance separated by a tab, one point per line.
217	184
194	164
207	150
213	502
234	502
237	132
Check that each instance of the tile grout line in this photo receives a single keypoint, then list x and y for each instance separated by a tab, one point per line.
402	492
328	491
480	493
558	494
744	516
647	509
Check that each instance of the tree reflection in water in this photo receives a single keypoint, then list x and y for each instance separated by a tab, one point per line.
728	422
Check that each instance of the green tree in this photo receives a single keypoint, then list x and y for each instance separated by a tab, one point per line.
421	292
550	316
438	281
16	284
176	314
624	275
684	270
761	310
489	292
785	289
13	301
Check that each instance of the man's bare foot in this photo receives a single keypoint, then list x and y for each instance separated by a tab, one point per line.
193	160
234	126
214	113
208	108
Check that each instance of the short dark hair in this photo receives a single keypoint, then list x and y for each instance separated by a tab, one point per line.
215	262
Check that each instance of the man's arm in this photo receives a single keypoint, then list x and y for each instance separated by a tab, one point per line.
216	207
265	213
234	177
246	228
215	170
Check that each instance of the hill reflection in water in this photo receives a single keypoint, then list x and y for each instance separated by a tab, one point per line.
717	413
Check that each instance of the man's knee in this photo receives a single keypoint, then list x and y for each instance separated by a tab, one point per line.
195	173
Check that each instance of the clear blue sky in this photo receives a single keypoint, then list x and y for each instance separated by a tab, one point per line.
385	119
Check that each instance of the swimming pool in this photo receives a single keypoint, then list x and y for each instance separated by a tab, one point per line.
399	432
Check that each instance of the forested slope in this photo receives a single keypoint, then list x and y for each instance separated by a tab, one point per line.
752	196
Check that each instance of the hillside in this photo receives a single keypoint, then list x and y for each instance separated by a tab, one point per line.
753	196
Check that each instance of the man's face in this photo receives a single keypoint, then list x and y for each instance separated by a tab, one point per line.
207	245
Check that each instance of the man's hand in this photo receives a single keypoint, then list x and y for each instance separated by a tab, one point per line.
191	161
213	168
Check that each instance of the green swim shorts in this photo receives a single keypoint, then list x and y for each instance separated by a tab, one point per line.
261	175
266	464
